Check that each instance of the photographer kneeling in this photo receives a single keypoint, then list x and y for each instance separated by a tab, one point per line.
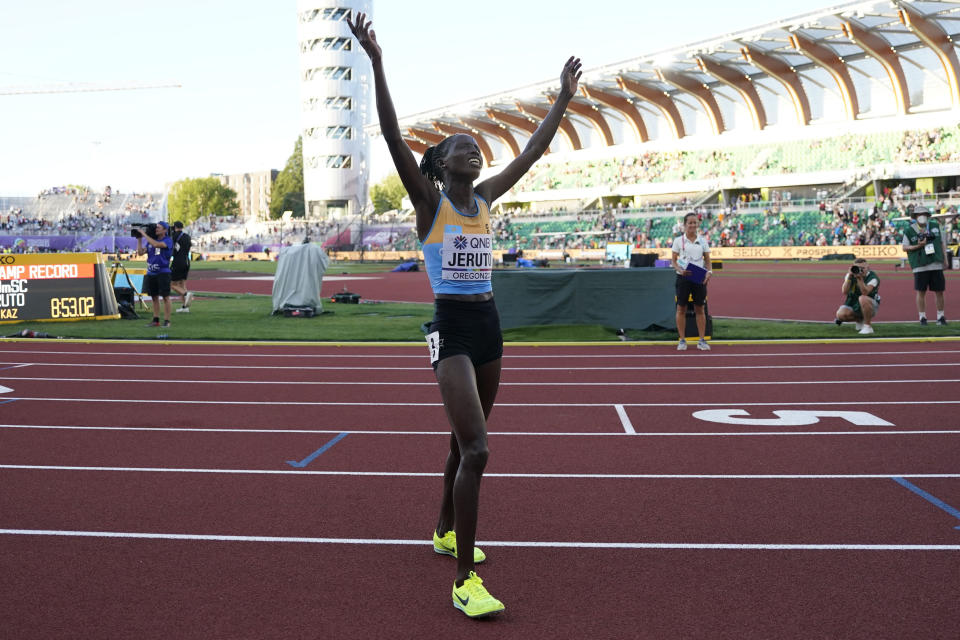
157	281
861	286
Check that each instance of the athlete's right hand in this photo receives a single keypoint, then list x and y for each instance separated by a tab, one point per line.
366	36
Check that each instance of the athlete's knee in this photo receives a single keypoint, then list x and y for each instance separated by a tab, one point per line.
474	456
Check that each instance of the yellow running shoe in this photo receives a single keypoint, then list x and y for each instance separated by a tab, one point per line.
448	545
474	599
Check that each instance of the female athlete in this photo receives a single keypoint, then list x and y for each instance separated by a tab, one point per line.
465	342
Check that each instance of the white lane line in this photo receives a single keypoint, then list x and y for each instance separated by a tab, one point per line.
911	402
911	365
719	546
394	432
507	355
624	419
369	432
533	476
614	383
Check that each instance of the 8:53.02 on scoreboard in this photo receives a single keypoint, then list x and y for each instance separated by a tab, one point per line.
53	286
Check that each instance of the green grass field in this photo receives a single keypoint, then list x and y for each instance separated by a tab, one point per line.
247	317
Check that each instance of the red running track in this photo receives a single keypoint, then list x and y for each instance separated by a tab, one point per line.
612	506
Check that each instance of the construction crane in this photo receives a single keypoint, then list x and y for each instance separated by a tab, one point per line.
82	87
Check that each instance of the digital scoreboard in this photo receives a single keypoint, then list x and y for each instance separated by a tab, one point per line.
54	286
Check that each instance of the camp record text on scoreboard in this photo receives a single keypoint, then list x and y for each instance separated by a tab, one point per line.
54	286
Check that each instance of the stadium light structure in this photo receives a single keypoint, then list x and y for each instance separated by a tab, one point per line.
335	87
787	65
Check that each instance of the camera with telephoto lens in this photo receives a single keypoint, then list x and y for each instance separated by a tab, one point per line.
925	235
857	270
140	229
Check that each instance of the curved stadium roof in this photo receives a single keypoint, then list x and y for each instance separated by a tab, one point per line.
853	61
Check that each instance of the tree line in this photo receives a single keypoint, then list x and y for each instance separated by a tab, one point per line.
193	198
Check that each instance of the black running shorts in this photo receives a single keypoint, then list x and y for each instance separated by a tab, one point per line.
157	285
685	289
468	328
934	280
179	272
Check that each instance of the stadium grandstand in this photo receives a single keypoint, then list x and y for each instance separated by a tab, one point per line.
72	218
818	129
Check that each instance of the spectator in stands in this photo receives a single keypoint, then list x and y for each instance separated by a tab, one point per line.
926	249
861	286
157	281
691	248
466	344
180	265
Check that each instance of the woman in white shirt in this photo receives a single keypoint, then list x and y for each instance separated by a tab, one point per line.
691	249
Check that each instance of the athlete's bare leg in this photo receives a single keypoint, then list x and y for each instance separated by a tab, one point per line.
468	396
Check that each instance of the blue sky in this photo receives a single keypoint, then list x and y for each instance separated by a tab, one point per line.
238	107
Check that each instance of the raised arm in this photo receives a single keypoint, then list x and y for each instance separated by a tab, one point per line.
150	241
496	186
423	195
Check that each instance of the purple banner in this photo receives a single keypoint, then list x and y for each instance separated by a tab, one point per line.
108	244
43	243
68	243
256	247
385	235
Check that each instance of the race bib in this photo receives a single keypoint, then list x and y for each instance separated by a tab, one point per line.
467	257
433	344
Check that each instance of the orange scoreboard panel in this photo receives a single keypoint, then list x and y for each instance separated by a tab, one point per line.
49	286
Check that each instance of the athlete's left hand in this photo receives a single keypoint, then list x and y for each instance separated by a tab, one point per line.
570	76
366	36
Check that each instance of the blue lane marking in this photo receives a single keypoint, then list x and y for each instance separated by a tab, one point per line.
9	400
313	456
929	498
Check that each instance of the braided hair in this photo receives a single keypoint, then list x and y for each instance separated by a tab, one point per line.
430	163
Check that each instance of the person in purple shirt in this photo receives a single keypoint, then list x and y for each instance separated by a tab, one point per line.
157	281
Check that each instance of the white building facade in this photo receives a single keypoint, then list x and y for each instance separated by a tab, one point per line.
335	80
253	192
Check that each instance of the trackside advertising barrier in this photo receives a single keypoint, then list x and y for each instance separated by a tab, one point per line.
875	252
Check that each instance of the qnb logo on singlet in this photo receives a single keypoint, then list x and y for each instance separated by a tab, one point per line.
467	257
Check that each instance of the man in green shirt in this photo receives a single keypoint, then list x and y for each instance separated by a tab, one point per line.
926	248
861	286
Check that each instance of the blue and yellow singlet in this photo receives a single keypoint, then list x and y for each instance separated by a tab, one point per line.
458	249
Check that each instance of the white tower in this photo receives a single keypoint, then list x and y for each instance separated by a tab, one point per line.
334	90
